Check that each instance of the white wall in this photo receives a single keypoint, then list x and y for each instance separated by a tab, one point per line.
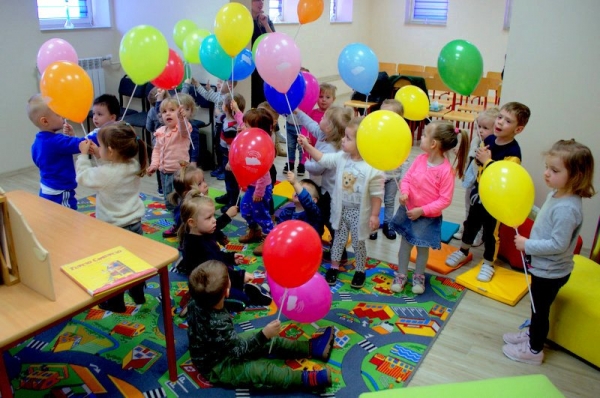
551	66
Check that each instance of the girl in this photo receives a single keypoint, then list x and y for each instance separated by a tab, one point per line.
485	127
117	180
198	234
257	200
570	175
356	200
425	191
172	145
189	107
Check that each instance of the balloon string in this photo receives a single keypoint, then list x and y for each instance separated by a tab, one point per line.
285	293
526	276
83	128
129	103
297	31
232	78
287	148
186	124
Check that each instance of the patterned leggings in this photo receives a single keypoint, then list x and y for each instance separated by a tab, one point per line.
349	223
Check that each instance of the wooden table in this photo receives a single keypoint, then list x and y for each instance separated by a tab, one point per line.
356	105
69	236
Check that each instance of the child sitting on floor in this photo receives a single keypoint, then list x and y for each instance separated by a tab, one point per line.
305	206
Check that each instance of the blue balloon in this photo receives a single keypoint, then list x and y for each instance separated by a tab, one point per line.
214	59
294	96
358	67
243	65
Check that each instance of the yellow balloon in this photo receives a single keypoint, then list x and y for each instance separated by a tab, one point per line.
233	28
384	140
415	102
507	192
192	43
144	53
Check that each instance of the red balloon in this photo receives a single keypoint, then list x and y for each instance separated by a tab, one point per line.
173	73
251	155
292	253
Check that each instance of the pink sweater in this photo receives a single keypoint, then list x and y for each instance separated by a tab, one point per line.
430	188
171	147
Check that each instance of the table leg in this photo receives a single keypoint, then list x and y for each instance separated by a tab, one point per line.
168	322
5	386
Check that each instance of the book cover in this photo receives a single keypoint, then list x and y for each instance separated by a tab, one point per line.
108	270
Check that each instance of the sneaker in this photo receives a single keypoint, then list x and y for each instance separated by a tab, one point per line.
137	293
418	282
331	276
160	191
113	306
388	232
478	241
301	170
169	233
320	347
216	172
285	168
258	250
516	338
316	378
233	305
373	236
223	199
399	282
456	259
253	235
358	280
257	295
221	176
486	273
458	234
522	353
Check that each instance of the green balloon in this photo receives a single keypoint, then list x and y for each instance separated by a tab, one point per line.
460	66
255	45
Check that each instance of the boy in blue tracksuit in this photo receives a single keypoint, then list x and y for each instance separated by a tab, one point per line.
305	204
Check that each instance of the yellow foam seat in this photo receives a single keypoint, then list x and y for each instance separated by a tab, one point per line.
437	259
284	189
575	313
507	286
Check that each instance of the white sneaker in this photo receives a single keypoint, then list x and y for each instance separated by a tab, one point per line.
398	283
478	241
516	338
486	273
458	235
455	259
522	353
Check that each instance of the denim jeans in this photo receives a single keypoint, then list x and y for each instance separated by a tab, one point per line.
389	199
292	142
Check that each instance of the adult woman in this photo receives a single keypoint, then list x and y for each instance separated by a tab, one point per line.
262	24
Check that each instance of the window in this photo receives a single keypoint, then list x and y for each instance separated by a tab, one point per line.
340	11
73	14
428	12
276	10
507	14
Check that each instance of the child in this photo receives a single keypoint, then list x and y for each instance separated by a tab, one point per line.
425	191
189	106
501	146
154	121
233	117
105	109
485	127
392	178
117	180
172	145
256	202
52	152
326	99
329	132
305	206
277	136
225	358
355	202
570	175
198	234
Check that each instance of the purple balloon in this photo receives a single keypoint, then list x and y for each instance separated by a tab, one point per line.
306	303
294	95
312	93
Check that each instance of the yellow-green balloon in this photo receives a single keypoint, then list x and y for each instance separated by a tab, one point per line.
384	140
192	43
233	28
144	53
181	30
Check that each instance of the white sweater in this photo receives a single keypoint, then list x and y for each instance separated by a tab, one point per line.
118	198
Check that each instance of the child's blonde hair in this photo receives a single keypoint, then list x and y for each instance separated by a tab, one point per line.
579	162
269	108
123	140
328	88
448	136
37	108
238	98
187	101
171	101
183	181
489	114
395	106
192	202
355	122
339	118
208	283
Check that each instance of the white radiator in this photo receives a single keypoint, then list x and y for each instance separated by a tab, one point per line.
93	67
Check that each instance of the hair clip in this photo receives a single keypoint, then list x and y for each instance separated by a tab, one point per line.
456	130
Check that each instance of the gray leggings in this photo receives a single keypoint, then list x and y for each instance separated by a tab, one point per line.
349	223
404	257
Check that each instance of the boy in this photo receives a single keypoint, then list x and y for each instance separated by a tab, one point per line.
105	110
500	146
52	152
233	109
305	204
226	358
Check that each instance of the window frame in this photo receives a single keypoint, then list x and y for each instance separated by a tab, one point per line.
334	15
98	16
507	14
410	13
277	18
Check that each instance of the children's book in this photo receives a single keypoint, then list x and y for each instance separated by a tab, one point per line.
108	270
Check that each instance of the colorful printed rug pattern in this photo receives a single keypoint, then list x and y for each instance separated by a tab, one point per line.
380	335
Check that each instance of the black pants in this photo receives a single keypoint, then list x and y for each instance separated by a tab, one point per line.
478	217
543	293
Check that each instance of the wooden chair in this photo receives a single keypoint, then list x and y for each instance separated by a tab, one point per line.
494	75
408	72
467	118
496	87
440	92
410	67
478	100
388	67
431	70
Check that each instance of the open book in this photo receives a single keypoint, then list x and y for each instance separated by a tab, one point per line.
108	270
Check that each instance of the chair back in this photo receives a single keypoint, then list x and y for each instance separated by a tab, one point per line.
127	88
494	75
431	70
409	67
388	67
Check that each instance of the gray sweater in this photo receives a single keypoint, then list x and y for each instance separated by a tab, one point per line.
554	236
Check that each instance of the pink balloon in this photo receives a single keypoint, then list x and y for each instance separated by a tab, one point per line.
312	93
278	61
307	303
55	50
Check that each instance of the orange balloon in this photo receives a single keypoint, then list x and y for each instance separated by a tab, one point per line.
68	89
309	10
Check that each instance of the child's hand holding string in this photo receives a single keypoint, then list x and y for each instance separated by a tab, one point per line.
84	147
68	129
272	329
403	198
